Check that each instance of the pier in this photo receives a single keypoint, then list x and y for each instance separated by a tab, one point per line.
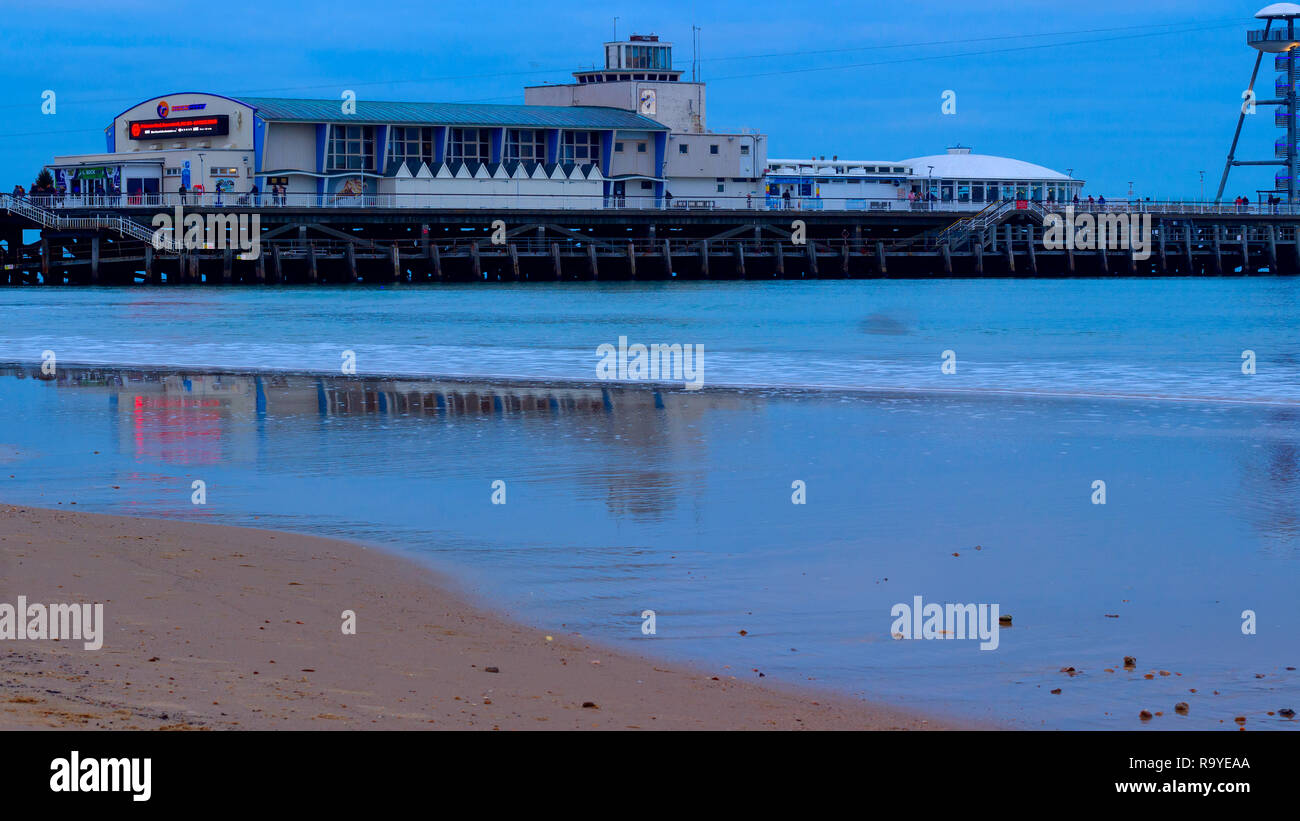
334	245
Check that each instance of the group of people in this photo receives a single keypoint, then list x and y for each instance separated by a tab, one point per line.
1243	204
254	196
45	195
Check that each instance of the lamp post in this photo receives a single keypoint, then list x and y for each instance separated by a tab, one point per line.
929	189
202	179
1202	186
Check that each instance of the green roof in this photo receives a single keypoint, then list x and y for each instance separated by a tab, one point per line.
370	111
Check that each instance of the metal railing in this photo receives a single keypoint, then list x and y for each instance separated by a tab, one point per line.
49	206
1268	36
48	219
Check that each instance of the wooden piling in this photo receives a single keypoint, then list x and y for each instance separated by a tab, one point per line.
94	260
276	270
1218	251
227	264
555	261
311	262
591	260
396	257
514	261
350	257
778	255
704	259
631	260
740	260
1164	262
477	263
881	265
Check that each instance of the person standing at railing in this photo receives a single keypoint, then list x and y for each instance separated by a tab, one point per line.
19	193
182	191
257	195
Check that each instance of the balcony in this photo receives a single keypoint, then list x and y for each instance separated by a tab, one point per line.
1271	41
1279	149
1281	61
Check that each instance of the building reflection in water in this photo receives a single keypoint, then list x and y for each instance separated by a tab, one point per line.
650	444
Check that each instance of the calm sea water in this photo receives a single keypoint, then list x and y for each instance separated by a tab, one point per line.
626	498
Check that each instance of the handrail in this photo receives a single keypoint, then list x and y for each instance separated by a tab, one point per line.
49	219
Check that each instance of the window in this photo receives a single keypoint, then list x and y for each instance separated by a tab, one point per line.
645	186
580	147
713	149
172	172
640	148
469	145
682	147
223	172
721	188
977	192
744	150
526	144
351	148
410	144
618	148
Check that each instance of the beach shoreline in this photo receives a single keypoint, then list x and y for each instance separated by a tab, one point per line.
222	627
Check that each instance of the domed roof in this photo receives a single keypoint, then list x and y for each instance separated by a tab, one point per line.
1278	10
959	163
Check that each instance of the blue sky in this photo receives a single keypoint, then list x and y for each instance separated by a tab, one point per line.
1118	91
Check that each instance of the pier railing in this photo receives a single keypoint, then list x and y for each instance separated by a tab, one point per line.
487	201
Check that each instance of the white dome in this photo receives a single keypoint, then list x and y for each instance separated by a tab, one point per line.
981	167
1278	10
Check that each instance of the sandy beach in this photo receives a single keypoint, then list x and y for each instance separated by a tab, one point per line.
215	627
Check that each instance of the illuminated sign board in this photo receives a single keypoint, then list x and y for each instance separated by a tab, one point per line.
211	125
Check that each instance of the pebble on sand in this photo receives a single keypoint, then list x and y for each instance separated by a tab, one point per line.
1181	708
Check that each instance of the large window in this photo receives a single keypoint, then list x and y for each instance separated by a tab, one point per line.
407	143
470	145
526	144
647	57
580	147
351	148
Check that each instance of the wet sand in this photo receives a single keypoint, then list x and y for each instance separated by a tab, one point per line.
216	627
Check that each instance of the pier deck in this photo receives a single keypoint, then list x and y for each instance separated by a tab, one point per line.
343	245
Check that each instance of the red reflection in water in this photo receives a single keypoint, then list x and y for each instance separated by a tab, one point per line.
182	431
